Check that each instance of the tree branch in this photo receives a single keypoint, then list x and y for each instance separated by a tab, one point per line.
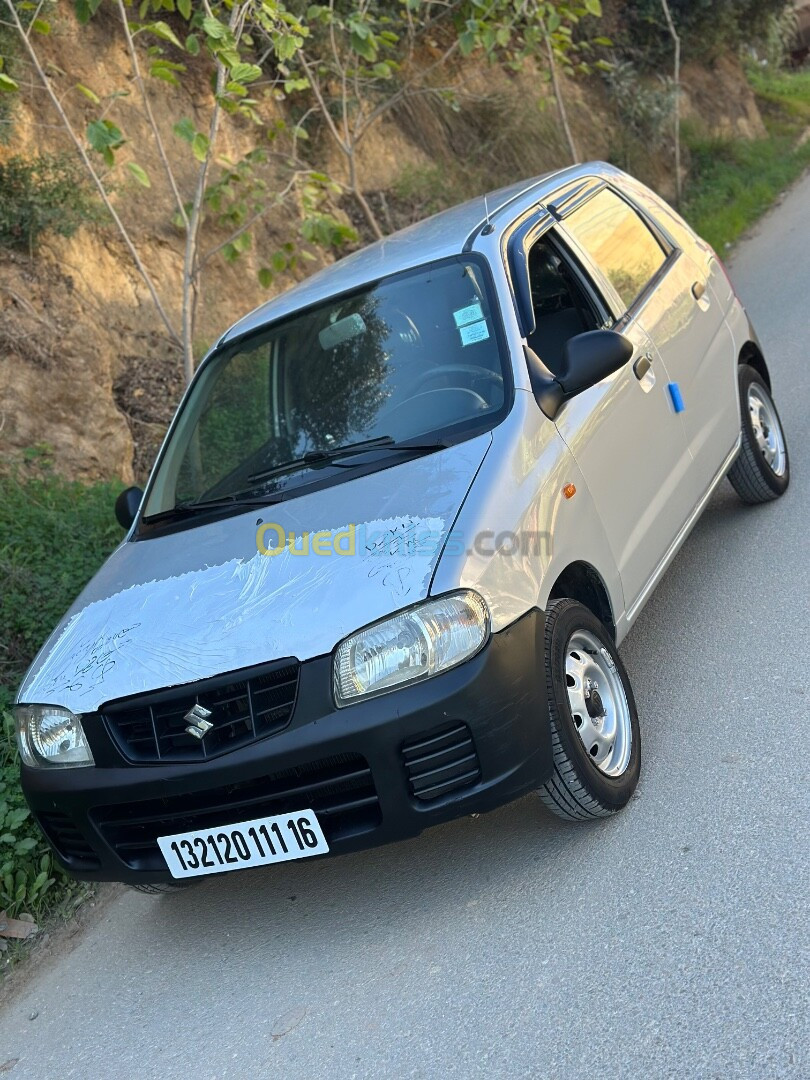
280	197
136	68
144	273
677	110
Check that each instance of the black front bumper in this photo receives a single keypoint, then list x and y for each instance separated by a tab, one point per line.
464	742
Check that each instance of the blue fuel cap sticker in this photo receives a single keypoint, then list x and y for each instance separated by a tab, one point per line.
677	397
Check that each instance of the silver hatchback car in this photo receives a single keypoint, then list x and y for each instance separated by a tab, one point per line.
404	516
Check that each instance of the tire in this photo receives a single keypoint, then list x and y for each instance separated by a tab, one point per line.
585	784
162	887
761	471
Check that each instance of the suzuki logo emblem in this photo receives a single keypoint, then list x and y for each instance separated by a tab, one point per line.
198	722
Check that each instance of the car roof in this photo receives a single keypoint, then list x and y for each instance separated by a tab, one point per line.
437	237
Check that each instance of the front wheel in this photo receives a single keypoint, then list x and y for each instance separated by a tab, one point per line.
163	888
761	471
595	734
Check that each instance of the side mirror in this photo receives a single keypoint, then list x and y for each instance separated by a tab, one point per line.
591	357
126	506
588	357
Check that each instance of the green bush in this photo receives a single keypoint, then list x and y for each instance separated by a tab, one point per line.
28	871
41	194
54	534
707	27
733	181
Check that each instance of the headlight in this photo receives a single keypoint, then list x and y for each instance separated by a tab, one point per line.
50	736
429	638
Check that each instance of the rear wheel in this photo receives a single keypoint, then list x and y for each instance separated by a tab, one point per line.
761	471
594	723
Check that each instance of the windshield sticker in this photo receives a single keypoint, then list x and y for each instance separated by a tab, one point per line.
478	331
471	313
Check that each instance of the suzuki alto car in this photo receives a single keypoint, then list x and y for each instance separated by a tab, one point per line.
404	516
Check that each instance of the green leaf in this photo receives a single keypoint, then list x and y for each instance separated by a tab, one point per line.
594	7
184	7
104	133
185	130
7	84
245	73
293	85
199	145
88	93
165	70
86	9
139	174
193	45
287	45
467	42
214	28
279	261
163	31
364	46
41	26
265	277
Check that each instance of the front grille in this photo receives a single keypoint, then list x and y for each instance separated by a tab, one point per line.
153	727
440	761
339	789
74	850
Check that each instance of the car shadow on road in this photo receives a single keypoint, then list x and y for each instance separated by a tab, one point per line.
447	870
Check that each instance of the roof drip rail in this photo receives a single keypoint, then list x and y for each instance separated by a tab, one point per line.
575	197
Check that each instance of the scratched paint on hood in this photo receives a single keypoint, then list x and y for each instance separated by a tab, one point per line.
172	610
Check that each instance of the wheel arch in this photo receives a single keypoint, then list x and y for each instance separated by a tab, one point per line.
582	582
751	354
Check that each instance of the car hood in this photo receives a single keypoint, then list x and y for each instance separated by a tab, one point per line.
204	601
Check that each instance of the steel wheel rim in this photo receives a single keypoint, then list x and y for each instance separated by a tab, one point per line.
767	430
599	706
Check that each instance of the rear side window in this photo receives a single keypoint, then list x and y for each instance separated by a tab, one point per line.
619	241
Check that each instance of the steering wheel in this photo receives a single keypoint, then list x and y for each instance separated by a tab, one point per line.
435	408
476	370
402	328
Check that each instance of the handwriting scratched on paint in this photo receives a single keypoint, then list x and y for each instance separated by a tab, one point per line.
400	540
88	664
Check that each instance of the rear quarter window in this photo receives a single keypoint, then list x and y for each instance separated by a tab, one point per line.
619	242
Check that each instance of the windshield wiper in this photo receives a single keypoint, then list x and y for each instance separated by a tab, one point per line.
312	457
317	457
202	506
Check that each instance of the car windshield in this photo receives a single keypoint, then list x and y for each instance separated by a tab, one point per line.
413	359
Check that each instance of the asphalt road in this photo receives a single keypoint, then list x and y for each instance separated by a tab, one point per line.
670	941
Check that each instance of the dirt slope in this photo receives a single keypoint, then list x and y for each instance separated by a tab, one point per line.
84	364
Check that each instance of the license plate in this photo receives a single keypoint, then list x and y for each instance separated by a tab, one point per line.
249	843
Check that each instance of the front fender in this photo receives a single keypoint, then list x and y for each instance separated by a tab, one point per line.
516	531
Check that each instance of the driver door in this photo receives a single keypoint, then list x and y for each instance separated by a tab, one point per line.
624	433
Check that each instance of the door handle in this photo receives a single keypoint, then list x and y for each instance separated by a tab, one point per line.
698	290
642	365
